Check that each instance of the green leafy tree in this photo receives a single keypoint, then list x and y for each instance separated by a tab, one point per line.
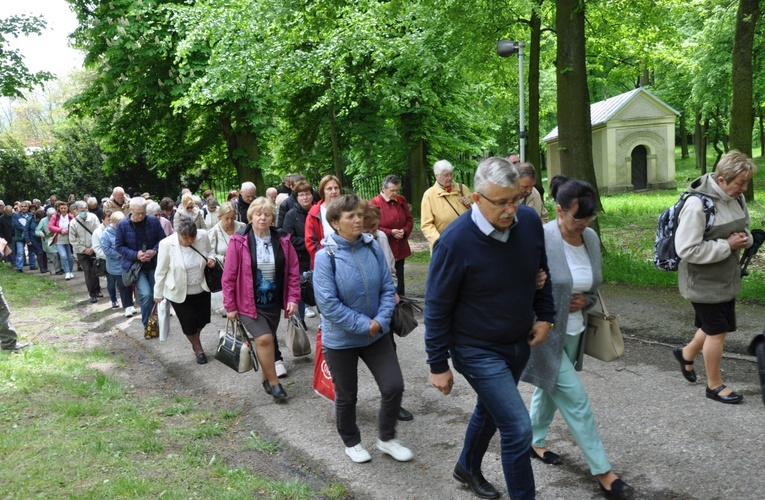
15	77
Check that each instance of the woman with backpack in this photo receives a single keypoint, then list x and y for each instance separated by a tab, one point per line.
709	274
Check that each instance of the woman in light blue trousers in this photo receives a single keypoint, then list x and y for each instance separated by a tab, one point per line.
573	256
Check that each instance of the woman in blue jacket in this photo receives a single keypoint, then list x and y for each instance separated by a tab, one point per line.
355	294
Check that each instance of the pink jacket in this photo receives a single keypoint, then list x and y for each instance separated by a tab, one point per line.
238	284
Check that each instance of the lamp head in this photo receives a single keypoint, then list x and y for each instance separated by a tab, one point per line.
506	48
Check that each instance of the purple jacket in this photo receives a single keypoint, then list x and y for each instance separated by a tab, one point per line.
238	284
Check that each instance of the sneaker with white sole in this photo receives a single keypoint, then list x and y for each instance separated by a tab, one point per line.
68	276
358	454
395	450
281	370
309	312
129	312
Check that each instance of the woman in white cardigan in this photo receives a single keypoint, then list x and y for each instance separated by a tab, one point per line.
180	279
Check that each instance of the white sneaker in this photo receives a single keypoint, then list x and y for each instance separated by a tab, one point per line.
281	370
358	454
309	312
395	450
129	312
68	276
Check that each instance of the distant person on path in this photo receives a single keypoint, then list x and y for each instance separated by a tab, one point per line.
8	336
317	227
486	307
59	224
137	239
443	202
531	197
573	254
21	220
180	278
397	224
81	231
294	225
355	294
242	202
709	275
114	262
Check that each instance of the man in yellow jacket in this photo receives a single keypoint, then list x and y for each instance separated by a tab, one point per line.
443	202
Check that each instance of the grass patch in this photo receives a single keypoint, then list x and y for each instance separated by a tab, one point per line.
70	430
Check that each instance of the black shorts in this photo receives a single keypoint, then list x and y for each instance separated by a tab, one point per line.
193	313
714	319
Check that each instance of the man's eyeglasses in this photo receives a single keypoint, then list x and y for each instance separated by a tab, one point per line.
583	220
503	203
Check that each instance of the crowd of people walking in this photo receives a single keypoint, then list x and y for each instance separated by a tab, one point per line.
507	292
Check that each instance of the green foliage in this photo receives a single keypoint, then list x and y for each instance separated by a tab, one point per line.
14	75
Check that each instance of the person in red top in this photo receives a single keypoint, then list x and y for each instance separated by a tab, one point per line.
316	224
396	222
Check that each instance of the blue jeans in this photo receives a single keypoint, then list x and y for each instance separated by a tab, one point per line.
145	288
494	376
21	257
65	253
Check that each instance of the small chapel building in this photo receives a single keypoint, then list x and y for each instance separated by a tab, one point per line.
633	143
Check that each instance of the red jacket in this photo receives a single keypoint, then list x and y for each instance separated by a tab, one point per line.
394	214
314	231
53	224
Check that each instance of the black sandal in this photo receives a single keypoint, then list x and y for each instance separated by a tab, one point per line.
690	375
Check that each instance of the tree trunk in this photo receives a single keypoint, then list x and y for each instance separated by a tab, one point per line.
574	126
337	160
533	131
741	112
244	153
762	133
683	138
699	145
416	164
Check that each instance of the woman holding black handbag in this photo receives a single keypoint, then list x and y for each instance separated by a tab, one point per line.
180	279
260	279
573	255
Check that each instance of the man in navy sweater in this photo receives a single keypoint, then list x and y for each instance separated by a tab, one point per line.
485	309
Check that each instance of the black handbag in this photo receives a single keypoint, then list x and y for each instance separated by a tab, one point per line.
100	268
306	289
213	275
235	349
130	276
402	323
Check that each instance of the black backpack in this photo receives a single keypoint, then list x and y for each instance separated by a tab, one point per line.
664	253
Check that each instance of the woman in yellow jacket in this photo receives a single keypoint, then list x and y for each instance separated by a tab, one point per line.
443	202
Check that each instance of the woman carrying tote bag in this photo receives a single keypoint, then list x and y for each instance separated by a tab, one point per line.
573	254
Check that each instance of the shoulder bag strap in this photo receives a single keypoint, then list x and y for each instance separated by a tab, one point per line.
84	227
602	304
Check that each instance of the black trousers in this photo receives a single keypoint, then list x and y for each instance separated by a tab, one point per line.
380	358
88	263
400	277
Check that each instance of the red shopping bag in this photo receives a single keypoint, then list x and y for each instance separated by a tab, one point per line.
322	378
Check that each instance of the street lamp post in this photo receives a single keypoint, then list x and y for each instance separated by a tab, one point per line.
506	48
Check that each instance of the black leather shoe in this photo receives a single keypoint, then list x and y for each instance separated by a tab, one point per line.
59	273
476	482
690	375
549	457
405	415
17	346
267	387
278	392
93	300
201	358
733	398
618	487
100	295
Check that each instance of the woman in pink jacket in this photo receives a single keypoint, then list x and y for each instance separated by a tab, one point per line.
261	277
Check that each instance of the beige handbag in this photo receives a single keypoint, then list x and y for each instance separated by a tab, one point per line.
603	338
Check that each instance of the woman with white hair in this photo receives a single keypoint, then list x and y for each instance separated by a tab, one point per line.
443	202
153	208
